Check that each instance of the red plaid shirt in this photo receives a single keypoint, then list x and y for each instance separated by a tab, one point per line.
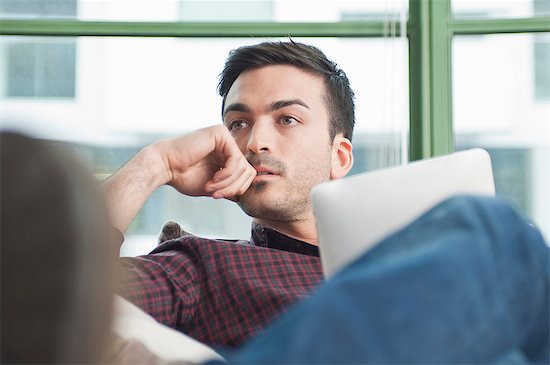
222	292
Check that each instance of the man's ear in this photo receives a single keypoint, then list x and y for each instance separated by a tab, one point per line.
342	157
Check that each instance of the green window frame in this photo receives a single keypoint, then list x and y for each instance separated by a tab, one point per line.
430	30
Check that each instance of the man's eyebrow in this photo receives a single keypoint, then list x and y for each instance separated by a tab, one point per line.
284	103
240	107
236	107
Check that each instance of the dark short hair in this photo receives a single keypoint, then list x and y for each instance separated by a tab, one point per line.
339	95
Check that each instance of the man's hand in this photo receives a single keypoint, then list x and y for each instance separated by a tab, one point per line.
207	162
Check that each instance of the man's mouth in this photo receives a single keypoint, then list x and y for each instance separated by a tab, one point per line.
265	173
264	170
267	167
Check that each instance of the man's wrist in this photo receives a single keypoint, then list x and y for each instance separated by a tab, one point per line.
153	165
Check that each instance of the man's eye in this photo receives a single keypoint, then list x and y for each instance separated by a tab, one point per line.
237	125
288	120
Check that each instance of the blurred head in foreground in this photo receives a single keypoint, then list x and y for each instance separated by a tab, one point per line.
57	256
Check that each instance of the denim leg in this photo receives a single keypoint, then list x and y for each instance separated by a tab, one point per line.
468	282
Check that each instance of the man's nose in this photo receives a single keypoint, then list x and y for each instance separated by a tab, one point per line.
261	137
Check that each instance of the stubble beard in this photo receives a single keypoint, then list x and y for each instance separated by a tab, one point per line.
289	204
258	203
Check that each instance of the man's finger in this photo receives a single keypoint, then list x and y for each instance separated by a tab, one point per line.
238	187
228	175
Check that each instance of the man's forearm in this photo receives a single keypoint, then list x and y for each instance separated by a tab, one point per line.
207	162
127	190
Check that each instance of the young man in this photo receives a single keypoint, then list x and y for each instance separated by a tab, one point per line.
467	282
288	119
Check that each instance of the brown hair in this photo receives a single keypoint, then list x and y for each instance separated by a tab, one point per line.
340	97
57	256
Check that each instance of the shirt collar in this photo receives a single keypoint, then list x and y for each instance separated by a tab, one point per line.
266	237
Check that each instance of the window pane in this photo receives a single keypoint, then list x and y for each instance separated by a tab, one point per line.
206	10
38	8
132	91
40	69
500	105
472	9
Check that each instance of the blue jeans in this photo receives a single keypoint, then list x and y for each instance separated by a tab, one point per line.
468	282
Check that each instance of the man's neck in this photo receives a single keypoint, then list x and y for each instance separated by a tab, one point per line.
303	230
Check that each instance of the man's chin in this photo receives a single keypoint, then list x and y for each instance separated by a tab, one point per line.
256	193
258	201
257	186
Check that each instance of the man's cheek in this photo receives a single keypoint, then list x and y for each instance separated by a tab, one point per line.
241	142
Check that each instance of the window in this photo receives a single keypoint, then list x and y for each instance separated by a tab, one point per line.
43	69
133	91
40	69
496	107
499	9
38	8
541	51
128	91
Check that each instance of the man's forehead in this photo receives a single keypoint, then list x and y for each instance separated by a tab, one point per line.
271	84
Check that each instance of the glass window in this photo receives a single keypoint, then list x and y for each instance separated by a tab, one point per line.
206	10
132	91
496	107
493	9
38	8
541	59
45	69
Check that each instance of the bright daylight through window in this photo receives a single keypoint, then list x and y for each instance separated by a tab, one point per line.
108	96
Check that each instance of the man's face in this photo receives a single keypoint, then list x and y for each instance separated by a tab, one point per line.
279	118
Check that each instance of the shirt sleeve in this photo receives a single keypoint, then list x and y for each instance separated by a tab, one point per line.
163	285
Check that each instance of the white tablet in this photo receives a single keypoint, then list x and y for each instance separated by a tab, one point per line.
354	213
